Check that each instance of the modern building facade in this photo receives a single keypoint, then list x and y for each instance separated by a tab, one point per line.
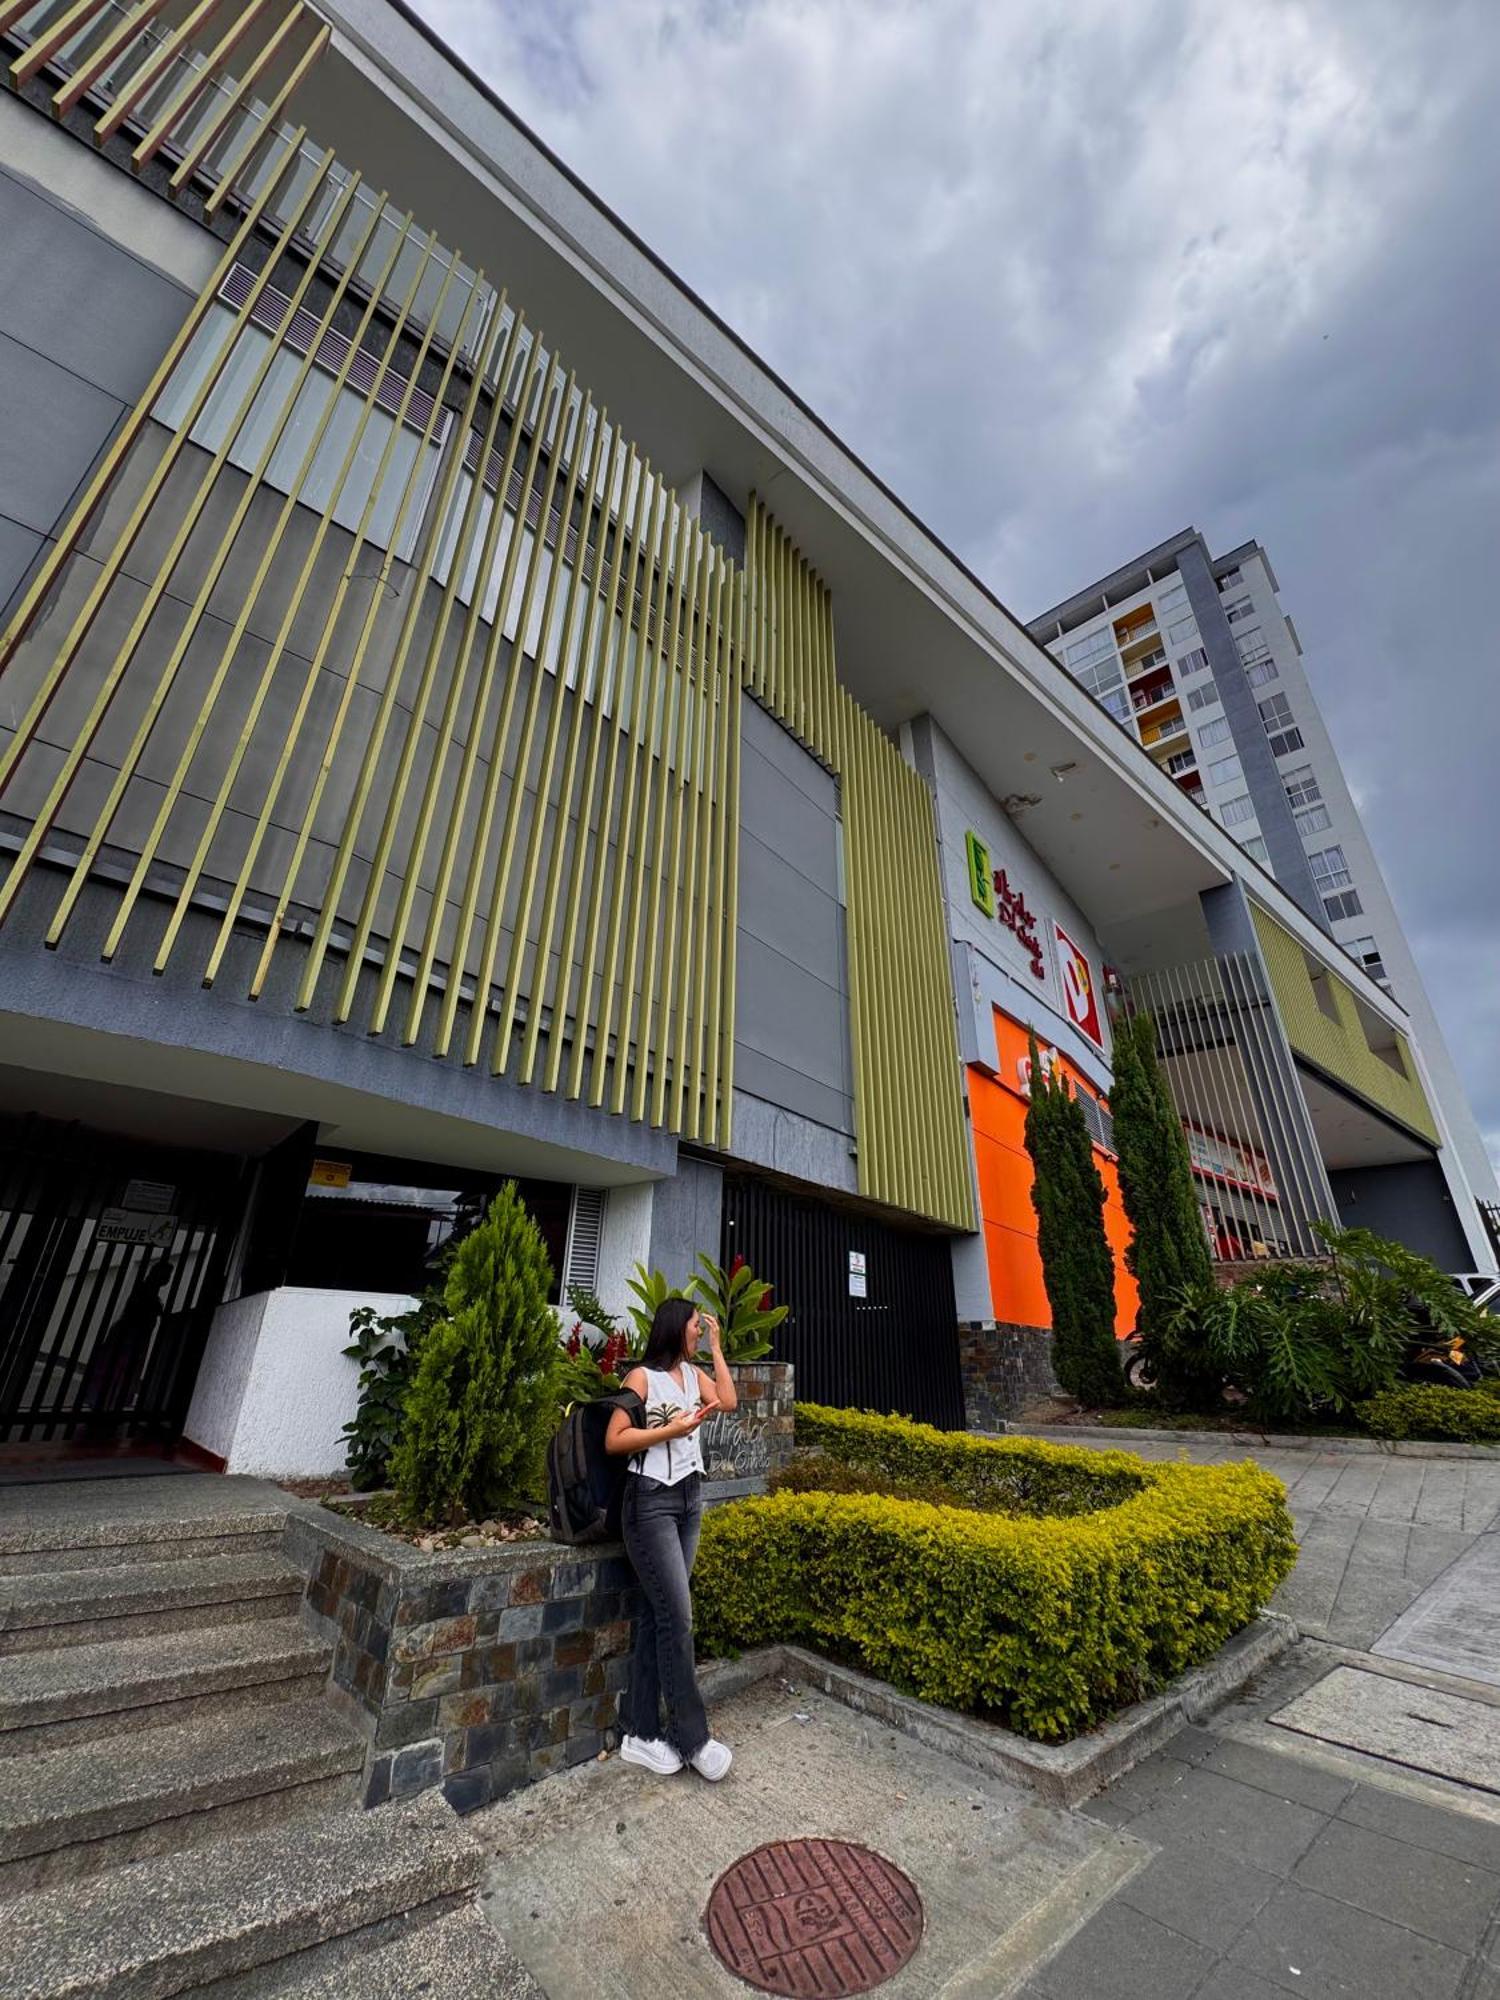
1194	655
462	718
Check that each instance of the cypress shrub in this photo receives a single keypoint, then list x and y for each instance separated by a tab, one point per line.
1077	1268
483	1401
1168	1252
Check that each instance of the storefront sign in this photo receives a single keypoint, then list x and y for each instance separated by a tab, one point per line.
1079	995
991	892
330	1173
137	1225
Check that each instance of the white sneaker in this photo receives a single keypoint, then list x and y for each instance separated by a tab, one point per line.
713	1760
651	1756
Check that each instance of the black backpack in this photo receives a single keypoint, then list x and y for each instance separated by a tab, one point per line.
586	1483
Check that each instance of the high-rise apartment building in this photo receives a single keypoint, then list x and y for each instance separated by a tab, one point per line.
1194	655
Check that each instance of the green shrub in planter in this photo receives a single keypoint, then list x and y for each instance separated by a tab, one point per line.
1427	1410
1043	1620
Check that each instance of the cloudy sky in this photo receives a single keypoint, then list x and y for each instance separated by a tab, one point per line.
1073	274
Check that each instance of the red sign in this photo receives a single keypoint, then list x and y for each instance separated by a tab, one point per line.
1079	995
1012	911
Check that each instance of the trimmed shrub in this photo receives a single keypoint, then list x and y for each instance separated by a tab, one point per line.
483	1400
1427	1410
1045	1624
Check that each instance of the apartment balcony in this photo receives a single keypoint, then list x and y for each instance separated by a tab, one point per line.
1143	700
1173	731
1148	663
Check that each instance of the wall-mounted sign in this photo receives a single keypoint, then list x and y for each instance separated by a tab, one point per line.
1079	995
981	884
858	1282
330	1173
137	1225
155	1197
991	891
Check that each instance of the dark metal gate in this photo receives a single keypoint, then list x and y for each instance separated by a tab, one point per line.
112	1256
872	1323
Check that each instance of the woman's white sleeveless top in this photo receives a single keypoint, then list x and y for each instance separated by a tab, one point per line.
667	1398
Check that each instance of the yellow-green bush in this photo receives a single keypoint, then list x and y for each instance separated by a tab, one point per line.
1044	1617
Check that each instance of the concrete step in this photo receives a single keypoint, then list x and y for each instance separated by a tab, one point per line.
82	1606
68	1813
74	1693
458	1957
110	1523
218	1912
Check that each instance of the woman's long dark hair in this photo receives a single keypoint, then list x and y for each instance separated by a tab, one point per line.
666	1344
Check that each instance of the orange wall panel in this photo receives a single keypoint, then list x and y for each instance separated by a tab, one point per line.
998	1113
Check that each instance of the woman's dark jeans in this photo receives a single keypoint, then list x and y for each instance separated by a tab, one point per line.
661	1525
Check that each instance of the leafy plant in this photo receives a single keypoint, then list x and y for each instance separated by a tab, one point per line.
387	1347
1427	1410
1384	1280
1077	1268
483	1399
587	1306
651	1290
1168	1249
741	1303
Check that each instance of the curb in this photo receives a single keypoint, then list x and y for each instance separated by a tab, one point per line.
1120	1436
1064	1774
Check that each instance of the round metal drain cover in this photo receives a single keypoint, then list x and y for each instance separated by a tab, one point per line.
814	1918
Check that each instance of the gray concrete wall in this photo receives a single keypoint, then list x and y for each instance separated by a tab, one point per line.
1409	1201
1284	849
85	316
686	1216
792	1047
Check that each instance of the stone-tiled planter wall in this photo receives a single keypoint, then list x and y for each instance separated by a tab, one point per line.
1004	1368
482	1670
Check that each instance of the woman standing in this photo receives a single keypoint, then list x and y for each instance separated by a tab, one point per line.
661	1516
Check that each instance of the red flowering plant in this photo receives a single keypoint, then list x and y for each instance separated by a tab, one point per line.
597	1350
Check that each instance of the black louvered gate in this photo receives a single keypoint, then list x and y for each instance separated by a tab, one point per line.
112	1257
895	1349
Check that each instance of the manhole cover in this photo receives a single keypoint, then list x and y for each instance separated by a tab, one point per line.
814	1918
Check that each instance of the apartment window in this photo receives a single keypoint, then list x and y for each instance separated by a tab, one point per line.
1343	906
1204	697
1313	820
1091	648
1170	598
1367	953
1276	714
1179	761
1193	662
1287	744
1117	701
1182	631
1330	870
1302	787
1213	732
1235	812
1239	610
1225	771
1258	672
1255	847
1230	580
1103	678
1252	646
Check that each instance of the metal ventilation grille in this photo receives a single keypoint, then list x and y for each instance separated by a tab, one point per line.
585	1234
268	313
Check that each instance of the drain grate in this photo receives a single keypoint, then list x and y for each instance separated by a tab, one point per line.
814	1918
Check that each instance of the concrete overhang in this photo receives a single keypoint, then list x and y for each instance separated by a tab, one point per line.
917	632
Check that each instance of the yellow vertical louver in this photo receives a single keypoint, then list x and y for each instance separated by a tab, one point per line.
913	1148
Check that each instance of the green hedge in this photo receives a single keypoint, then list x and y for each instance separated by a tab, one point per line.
1045	1621
1427	1410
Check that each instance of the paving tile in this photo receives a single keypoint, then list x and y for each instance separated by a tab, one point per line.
1325	1950
1284	1776
1205	1895
1137	1789
1444	1899
1235	1982
1459	1835
1123	1955
1238	1820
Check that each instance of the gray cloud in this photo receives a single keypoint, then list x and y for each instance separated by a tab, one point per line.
1070	277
